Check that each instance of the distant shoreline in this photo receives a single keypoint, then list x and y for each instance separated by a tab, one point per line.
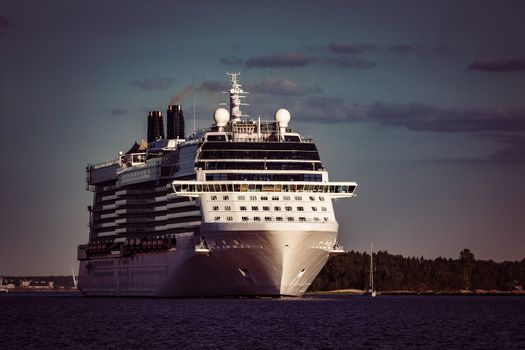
429	292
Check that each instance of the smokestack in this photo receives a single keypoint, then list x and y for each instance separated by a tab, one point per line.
175	121
155	126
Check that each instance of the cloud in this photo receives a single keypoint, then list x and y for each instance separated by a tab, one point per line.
118	111
5	24
115	111
421	117
499	65
416	117
402	49
290	60
300	60
155	82
232	61
352	49
350	62
283	87
213	86
513	151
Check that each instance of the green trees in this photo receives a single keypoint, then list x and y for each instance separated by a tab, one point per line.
395	272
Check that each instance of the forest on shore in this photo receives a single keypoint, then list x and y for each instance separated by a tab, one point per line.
398	273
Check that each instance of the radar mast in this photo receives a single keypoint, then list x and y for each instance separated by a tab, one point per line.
236	94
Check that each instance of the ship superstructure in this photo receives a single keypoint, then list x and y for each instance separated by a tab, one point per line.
243	208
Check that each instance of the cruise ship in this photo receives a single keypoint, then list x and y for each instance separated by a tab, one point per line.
243	208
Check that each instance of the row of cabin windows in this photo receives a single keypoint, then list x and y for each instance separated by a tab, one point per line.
265	198
213	165
266	208
269	219
259	154
265	176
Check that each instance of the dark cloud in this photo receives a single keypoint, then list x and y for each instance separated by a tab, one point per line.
421	117
283	87
442	50
213	86
416	117
155	82
402	48
513	150
5	24
350	62
115	111
352	49
118	111
499	65
299	60
290	60
328	110
232	61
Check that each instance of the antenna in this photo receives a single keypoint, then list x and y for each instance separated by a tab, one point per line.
236	94
194	104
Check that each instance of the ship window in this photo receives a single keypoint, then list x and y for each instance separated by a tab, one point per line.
266	208
288	208
321	198
241	198
323	208
243	208
325	218
298	198
279	218
312	198
275	198
290	218
213	198
253	198
264	198
215	207
216	137
227	207
256	218
229	218
267	218
255	207
277	208
316	219
286	198
236	242
245	218
300	208
226	198
314	208
302	218
292	138
217	218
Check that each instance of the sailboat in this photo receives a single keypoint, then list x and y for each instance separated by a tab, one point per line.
370	291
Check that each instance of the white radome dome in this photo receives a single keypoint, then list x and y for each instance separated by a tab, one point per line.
282	116
221	117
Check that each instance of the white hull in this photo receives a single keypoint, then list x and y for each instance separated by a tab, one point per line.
244	260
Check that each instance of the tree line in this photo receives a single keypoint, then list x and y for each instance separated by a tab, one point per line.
399	273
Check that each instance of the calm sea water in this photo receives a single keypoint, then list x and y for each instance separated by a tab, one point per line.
50	321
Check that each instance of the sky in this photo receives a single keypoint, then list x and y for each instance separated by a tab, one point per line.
421	103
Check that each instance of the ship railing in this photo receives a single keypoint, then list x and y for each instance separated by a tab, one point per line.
102	165
196	188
